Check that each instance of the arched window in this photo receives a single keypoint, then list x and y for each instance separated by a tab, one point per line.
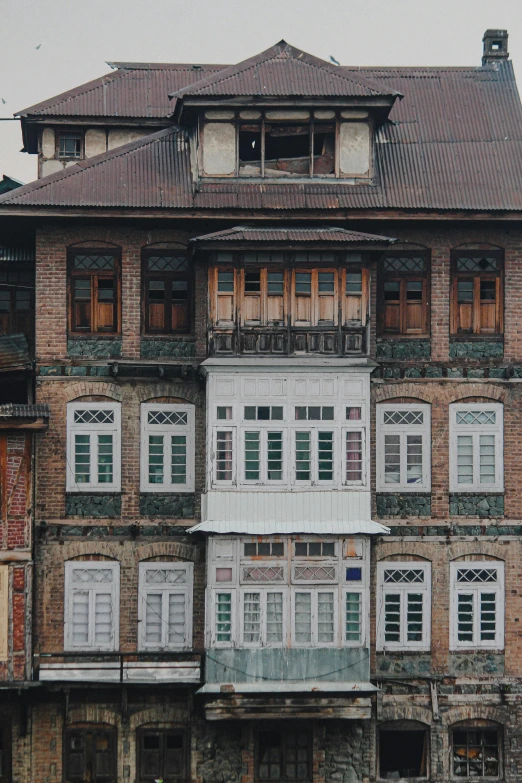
94	290
403	447
167	447
93	446
476	447
91	605
90	754
476	750
404	605
403	750
162	755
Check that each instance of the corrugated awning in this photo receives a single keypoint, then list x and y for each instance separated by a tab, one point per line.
308	527
290	686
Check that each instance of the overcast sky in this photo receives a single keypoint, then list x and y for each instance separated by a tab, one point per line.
48	46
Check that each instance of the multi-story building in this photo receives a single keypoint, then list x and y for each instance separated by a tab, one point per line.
275	510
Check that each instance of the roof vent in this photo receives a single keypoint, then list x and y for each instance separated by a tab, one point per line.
495	46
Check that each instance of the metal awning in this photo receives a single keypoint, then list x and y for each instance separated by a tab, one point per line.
288	686
277	527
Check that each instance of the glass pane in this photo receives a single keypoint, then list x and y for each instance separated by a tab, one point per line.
303	456
487	459
392	617
179	459
465	291
303	283
487	617
404	264
275	283
225	281
326	282
252	617
275	456
103	618
80	618
252	447
414	459
414	290
325	618
105	459
353	618
477	264
105	290
274	617
303	617
465	459
325	456
354	283
392	459
488	290
156	466
392	290
153	618
465	617
82	459
177	619
354	456
414	617
224	412
224	617
224	456
156	291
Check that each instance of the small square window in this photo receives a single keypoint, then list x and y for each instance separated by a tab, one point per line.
70	146
354	574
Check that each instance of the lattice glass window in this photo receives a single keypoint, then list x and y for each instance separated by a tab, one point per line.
91	619
264	548
353	617
403	610
314	413
223	619
476	446
94	291
354	456
314	548
165	605
70	146
314	617
167	448
314	456
262	574
314	572
263	456
263	412
403	448
406	264
477	605
93	447
224	450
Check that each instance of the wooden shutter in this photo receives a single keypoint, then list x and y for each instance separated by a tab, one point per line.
326	296
4	611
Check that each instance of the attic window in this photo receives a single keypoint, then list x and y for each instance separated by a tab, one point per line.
70	146
496	46
289	149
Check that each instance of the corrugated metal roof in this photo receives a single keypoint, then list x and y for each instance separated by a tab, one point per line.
136	91
267	513
251	234
284	70
455	143
14	410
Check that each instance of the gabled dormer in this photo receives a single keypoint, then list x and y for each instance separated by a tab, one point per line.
285	115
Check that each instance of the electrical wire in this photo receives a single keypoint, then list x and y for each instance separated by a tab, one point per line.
294	679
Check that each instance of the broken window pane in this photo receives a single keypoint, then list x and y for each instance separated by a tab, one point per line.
476	753
249	142
287	150
324	150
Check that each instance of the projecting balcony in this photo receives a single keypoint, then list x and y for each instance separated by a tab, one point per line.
288	341
128	668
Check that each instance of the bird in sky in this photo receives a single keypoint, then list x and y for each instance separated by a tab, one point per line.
37	47
4	102
334	61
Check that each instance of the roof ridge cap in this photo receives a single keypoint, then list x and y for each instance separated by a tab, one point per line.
98	160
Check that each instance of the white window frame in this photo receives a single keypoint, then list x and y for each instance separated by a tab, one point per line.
364	480
167	430
184	589
475	431
264	592
263	454
70	589
315	591
92	430
227	588
476	588
356	588
225	428
424	430
314	431
403	589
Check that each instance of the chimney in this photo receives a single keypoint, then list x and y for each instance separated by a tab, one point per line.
495	46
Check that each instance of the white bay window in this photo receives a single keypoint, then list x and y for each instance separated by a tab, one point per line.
165	605
403	448
93	446
477	605
287	593
476	448
167	448
91	619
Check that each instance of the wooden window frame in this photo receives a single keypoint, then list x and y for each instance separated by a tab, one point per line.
13	288
94	275
403	278
282	730
475	430
483	726
476	589
140	734
92	730
113	588
476	330
73	132
166	277
402	589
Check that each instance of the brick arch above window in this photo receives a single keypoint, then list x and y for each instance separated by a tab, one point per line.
165	717
412	392
401	557
166	246
92	557
474	712
90	242
477	398
477	246
77	391
163	550
173	390
168	400
476	557
406	723
464	548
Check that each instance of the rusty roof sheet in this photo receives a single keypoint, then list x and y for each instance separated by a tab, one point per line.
14	352
301	234
284	70
133	91
453	143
